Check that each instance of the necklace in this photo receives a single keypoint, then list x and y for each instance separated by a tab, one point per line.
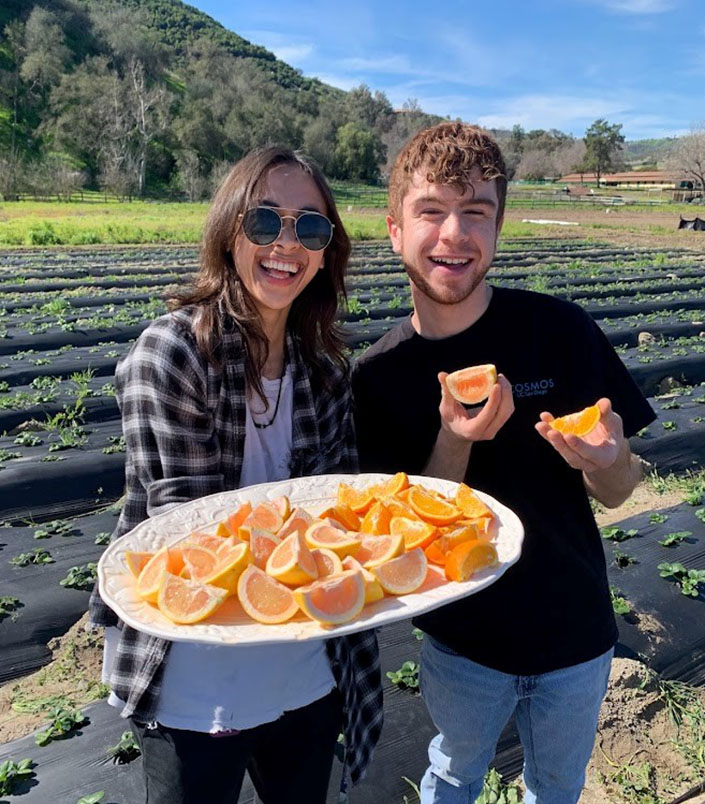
262	425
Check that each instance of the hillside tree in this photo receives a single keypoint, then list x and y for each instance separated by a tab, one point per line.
358	153
688	156
603	142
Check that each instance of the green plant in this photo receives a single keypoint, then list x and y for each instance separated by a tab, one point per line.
658	519
418	633
614	533
623	560
92	798
28	439
25	704
670	425
671	539
700	514
63	722
689	580
117	444
6	455
9	605
36	556
57	527
125	750
414	787
620	604
495	791
83	577
13	772
102	538
406	677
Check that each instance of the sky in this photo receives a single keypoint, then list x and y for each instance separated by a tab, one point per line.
537	63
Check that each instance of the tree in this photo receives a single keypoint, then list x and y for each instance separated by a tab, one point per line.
358	153
602	145
688	157
46	54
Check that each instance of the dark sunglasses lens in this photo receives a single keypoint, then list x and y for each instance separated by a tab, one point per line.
261	225
314	231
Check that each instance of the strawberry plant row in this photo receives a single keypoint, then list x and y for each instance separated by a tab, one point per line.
22	367
44	305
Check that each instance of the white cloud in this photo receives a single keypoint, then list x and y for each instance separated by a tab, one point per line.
281	45
389	64
292	53
345	82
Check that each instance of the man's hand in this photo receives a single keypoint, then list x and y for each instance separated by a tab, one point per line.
610	471
597	450
482	424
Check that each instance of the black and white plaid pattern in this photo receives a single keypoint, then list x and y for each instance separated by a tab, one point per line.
184	424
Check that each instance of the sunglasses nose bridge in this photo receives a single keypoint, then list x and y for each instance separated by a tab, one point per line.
287	231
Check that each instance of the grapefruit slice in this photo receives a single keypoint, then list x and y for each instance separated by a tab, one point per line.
323	534
230	525
415	532
136	560
153	572
265	599
231	564
464	560
376	550
373	591
298	520
208	540
199	562
432	508
579	424
472	385
282	503
186	602
266	515
327	562
404	574
262	544
291	562
333	600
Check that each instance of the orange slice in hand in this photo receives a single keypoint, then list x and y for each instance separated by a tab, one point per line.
415	532
333	600
431	508
404	574
463	561
472	385
187	602
265	599
579	424
291	562
321	534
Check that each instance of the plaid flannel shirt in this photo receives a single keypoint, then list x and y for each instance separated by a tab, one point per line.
184	424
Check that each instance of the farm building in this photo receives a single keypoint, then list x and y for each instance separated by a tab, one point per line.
630	179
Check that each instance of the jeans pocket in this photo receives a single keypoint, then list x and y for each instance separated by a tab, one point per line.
441	646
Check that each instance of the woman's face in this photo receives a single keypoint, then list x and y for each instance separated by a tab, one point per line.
277	273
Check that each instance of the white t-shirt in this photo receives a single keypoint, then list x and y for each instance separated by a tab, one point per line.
213	688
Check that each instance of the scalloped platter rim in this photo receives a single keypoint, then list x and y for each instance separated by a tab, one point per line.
230	625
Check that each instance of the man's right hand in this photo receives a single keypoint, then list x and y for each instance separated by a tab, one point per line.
481	424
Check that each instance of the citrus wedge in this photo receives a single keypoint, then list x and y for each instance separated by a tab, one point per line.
579	424
470	504
344	515
376	520
298	520
394	485
212	542
265	599
199	562
136	560
415	532
150	578
291	562
464	560
378	549
229	526
333	600
472	385
404	574
262	544
231	564
360	501
187	602
431	508
373	590
282	503
323	534
266	515
327	562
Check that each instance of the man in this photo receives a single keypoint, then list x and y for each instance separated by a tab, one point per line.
538	643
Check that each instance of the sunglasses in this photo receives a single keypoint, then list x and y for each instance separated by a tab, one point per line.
263	225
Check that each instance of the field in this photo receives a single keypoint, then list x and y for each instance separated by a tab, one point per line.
68	314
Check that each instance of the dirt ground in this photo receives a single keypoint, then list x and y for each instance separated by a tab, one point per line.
623	226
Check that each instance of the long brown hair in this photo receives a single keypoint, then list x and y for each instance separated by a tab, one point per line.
217	288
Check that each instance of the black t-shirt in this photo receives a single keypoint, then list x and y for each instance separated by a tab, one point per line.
552	608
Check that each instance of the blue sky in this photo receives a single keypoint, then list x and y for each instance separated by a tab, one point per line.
540	63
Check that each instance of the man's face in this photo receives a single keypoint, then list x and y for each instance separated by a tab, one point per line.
447	238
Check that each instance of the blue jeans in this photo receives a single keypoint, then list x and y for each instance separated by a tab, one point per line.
556	715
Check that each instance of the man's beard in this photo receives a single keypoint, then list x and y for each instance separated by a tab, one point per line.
447	295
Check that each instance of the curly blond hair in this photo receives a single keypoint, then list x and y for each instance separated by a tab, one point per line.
447	153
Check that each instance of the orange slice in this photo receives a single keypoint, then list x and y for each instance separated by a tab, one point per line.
262	545
376	550
435	554
394	485
344	515
298	520
579	424
199	562
230	525
136	560
376	520
187	602
431	508
153	572
327	562
470	504
291	562
265	599
466	559
266	516
373	590
333	600
466	533
231	564
415	532
472	385
359	500
398	508
323	534
404	574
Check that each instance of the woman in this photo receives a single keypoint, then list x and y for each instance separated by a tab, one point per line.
244	382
